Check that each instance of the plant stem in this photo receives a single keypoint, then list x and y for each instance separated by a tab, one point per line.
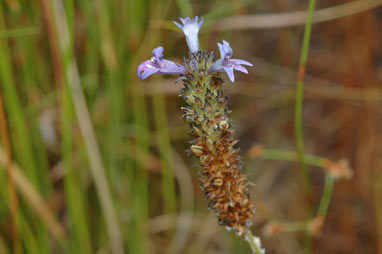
254	243
298	109
326	195
309	159
300	95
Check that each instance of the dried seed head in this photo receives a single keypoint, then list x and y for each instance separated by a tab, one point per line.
221	179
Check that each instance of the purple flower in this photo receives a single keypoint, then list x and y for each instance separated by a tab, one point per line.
225	63
159	65
191	29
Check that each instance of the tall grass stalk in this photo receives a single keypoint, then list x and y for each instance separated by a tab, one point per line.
20	140
299	107
86	127
300	95
13	200
78	223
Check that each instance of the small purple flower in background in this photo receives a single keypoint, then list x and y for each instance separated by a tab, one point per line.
159	65
191	29
225	63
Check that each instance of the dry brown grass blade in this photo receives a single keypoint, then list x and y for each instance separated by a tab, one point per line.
277	20
33	198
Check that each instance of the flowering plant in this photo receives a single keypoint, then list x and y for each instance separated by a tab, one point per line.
212	141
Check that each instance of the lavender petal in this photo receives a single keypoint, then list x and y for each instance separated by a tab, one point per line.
158	53
170	67
191	29
230	74
239	61
146	73
240	68
158	65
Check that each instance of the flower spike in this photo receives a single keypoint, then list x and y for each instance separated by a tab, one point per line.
191	29
212	136
226	64
159	65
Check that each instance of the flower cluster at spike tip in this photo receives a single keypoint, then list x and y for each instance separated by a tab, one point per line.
191	29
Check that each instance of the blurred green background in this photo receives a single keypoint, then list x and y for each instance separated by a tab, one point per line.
92	160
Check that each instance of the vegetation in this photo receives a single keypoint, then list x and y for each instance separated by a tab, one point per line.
92	159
